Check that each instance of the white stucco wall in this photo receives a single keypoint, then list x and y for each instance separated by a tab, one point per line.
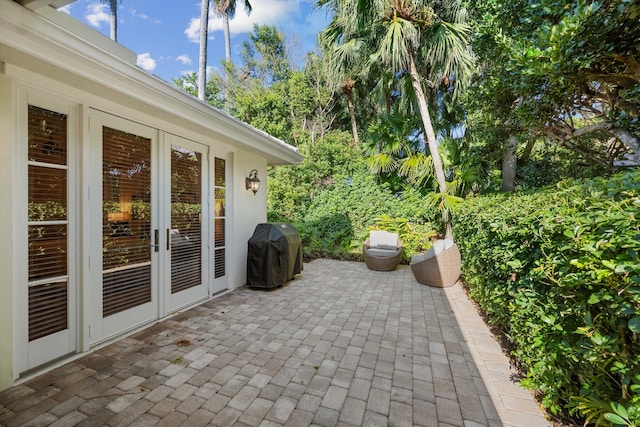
6	233
248	211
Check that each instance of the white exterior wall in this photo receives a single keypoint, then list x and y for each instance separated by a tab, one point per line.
249	210
66	74
7	271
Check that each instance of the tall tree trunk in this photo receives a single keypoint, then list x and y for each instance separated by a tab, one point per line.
432	143
202	59
509	165
352	114
227	56
227	36
113	20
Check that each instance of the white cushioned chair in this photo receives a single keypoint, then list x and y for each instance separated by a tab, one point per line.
382	250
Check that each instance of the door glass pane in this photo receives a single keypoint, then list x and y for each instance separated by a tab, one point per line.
219	213
218	239
47	251
47	193
220	202
47	309
219	263
48	223
186	218
47	136
126	220
219	172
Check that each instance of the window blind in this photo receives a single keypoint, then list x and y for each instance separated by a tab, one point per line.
47	222
186	219
126	222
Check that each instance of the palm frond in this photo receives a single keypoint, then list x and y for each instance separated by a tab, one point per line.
417	167
398	43
382	163
446	47
591	408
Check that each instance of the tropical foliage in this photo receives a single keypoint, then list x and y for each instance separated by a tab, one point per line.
564	72
423	42
413	115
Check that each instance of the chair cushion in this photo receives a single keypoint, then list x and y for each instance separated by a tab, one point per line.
377	252
421	257
448	243
383	239
438	246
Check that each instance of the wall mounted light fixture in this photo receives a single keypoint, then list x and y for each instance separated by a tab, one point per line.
252	182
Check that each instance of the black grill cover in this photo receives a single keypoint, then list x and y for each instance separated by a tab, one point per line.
274	256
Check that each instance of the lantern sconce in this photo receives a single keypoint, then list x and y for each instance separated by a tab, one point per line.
252	182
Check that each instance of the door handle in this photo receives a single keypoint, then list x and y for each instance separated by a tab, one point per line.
168	239
156	235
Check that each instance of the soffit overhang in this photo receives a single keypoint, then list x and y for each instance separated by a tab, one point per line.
44	43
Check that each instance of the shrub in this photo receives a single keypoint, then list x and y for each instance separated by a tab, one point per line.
558	271
293	188
338	220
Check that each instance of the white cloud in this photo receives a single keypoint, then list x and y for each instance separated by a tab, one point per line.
146	62
193	30
184	59
97	13
144	16
271	12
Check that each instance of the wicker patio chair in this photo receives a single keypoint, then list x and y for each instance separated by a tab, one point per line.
382	251
439	266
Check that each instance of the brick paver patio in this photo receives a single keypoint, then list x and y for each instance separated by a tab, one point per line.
341	345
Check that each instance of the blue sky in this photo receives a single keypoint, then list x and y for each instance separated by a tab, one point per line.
164	33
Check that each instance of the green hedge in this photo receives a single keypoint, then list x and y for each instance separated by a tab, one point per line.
338	220
558	271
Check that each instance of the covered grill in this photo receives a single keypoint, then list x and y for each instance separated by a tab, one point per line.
274	255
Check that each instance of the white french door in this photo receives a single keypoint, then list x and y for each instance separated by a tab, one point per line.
154	225
127	289
187	227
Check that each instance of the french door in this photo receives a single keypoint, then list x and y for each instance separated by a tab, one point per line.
115	238
186	230
128	284
154	229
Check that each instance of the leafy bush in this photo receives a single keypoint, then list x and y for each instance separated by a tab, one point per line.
415	237
293	188
338	220
558	271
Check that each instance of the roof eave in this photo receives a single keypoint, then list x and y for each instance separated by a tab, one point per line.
100	62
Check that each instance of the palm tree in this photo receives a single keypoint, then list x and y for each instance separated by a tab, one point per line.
428	42
227	10
202	57
343	63
113	19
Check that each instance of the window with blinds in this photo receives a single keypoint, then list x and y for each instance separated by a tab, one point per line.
219	217
126	221
186	218
47	223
